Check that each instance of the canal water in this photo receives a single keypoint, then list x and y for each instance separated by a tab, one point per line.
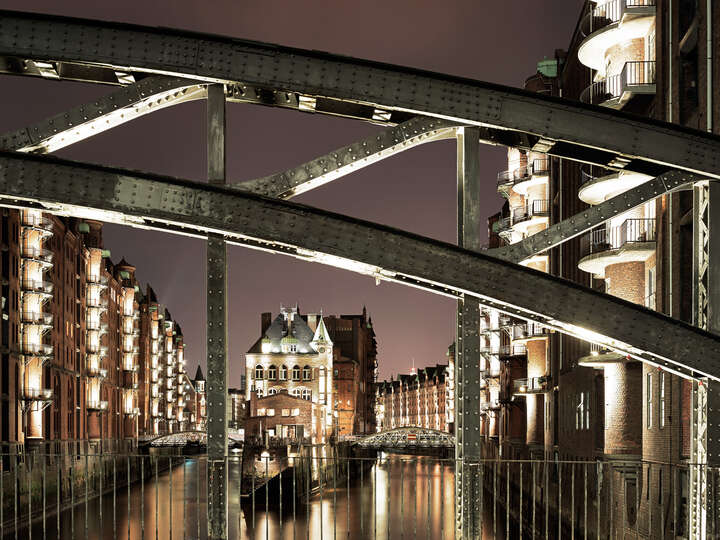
393	497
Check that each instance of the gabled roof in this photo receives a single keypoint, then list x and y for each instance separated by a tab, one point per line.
283	327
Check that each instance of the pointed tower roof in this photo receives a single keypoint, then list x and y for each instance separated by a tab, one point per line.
199	374
322	336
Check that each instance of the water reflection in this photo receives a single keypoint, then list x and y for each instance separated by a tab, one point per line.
393	497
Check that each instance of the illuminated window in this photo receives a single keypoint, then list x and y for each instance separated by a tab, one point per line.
259	372
286	412
649	399
661	420
261	412
296	412
296	373
270	412
283	373
272	373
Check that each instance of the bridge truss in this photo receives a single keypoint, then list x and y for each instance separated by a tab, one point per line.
157	68
407	437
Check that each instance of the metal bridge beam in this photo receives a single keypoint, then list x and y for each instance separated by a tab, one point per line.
123	105
467	364
144	200
558	127
217	330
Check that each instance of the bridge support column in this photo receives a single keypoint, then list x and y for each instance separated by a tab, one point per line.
705	424
468	487
216	330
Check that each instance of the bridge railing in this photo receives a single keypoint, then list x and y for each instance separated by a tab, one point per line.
316	493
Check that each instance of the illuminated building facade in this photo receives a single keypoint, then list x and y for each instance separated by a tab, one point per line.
84	349
552	396
421	399
311	376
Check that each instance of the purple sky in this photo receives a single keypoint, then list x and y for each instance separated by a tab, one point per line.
492	41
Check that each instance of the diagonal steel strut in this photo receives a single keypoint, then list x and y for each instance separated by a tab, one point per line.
123	105
144	200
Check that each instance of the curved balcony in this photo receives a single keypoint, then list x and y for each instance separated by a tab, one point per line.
40	223
533	213
598	189
38	394
599	357
98	373
529	331
97	279
36	286
133	412
611	23
531	385
36	254
521	178
37	318
94	301
95	349
636	78
96	405
39	350
633	241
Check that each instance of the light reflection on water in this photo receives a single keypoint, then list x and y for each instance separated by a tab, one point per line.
395	496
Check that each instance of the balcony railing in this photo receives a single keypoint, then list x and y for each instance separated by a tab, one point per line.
98	372
38	394
536	208
97	279
606	239
36	253
529	330
95	405
37	349
612	11
36	317
36	286
636	76
531	385
523	173
36	222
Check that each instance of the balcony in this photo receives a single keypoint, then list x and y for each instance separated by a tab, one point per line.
600	356
36	254
521	178
36	286
99	373
492	405
533	213
597	189
97	326
94	301
37	318
612	23
633	241
39	350
637	77
97	279
38	394
532	385
39	223
529	331
96	405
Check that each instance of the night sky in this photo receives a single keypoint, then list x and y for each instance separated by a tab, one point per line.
493	41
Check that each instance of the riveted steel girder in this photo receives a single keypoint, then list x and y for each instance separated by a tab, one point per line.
350	158
187	207
122	105
596	215
408	437
562	128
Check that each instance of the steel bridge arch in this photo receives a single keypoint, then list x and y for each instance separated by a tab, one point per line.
194	209
402	437
55	46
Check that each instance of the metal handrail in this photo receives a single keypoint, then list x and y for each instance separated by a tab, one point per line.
530	384
633	73
38	222
36	285
529	329
96	405
37	349
36	317
538	207
38	394
32	252
634	230
609	12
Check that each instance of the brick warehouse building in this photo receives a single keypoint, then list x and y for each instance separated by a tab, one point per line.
86	353
551	396
311	376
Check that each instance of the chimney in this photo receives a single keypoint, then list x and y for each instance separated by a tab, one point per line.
265	321
312	321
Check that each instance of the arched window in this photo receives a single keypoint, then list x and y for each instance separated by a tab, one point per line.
306	394
296	373
295	392
272	373
283	373
274	390
259	392
259	373
307	373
